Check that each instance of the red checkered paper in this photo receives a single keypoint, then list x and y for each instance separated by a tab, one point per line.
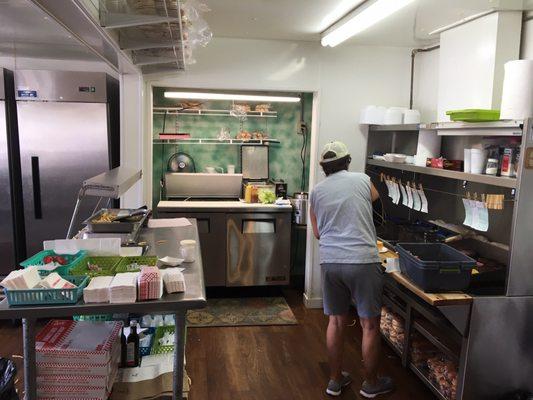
149	284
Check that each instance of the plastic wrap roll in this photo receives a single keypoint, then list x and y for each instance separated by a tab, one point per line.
517	96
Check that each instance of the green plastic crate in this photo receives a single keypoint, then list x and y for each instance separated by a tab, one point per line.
141	260
107	266
72	261
474	115
159	333
29	297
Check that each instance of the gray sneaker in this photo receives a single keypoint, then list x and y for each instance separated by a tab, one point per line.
335	388
384	385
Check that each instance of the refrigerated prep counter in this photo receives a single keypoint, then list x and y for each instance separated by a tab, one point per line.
242	244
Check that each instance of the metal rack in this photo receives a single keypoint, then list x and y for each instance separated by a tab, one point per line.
446	173
239	142
212	113
151	32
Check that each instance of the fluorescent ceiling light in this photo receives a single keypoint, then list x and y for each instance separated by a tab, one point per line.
343	8
227	96
362	18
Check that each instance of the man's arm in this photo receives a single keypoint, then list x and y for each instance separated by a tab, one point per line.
313	222
374	194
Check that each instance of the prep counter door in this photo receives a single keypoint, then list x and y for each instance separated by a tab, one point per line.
258	249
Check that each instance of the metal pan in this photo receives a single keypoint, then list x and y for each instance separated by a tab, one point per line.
126	225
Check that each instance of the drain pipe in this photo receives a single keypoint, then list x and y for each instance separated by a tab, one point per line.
413	54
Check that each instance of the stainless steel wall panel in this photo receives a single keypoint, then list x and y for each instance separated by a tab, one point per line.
60	86
71	144
500	348
520	278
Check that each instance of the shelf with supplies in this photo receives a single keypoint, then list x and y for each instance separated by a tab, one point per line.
445	173
214	141
457	128
213	113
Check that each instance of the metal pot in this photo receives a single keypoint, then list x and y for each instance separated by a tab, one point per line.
300	204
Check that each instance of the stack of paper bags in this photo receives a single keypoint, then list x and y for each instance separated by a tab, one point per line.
150	283
22	279
174	280
123	288
77	359
97	291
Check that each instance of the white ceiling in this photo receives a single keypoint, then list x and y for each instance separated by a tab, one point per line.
306	19
26	31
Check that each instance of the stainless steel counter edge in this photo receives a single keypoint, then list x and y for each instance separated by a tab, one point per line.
216	206
162	242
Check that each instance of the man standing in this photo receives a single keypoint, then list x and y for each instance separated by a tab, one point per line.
341	216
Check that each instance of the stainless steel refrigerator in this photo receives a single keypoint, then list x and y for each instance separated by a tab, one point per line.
68	131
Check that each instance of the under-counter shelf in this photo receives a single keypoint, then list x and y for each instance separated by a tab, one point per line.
445	173
427	382
448	348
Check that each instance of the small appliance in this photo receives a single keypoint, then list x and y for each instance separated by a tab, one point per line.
300	204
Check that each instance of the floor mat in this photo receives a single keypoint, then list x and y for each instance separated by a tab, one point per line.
242	312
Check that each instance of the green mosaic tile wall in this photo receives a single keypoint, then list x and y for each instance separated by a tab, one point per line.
285	162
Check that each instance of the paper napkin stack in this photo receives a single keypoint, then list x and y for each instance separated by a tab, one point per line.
97	291
174	280
123	288
22	279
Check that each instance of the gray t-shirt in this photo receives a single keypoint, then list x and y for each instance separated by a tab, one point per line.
342	204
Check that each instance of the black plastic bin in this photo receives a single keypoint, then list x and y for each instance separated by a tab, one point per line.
435	267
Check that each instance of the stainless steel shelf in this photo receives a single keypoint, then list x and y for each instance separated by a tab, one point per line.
212	113
437	342
444	173
496	128
239	142
396	128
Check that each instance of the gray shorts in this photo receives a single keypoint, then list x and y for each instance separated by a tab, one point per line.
361	284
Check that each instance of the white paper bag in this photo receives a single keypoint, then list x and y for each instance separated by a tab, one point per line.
404	195
417	204
423	200
468	213
409	196
483	216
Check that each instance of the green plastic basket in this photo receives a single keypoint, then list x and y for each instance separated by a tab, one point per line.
141	260
72	261
159	333
29	297
474	115
107	266
93	318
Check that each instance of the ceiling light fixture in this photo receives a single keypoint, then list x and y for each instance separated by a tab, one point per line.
361	18
228	96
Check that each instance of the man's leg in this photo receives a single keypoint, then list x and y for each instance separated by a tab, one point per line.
335	344
371	347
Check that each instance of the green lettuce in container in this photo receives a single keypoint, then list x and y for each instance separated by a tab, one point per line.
266	196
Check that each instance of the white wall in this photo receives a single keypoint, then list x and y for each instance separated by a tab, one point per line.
526	50
426	85
344	79
131	133
471	62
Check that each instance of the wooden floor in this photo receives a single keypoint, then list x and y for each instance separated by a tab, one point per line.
266	363
282	362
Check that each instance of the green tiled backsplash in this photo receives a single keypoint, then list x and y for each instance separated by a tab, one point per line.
285	162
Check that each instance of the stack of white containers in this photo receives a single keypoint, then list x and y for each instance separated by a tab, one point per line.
77	359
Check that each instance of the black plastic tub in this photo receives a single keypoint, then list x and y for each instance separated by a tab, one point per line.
435	267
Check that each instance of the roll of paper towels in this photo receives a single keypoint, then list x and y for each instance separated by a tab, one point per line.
517	96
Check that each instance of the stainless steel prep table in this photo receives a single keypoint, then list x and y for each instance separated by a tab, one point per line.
162	242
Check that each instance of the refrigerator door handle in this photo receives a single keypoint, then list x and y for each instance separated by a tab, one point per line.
36	181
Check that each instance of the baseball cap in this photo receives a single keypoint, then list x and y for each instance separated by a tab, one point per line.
333	151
